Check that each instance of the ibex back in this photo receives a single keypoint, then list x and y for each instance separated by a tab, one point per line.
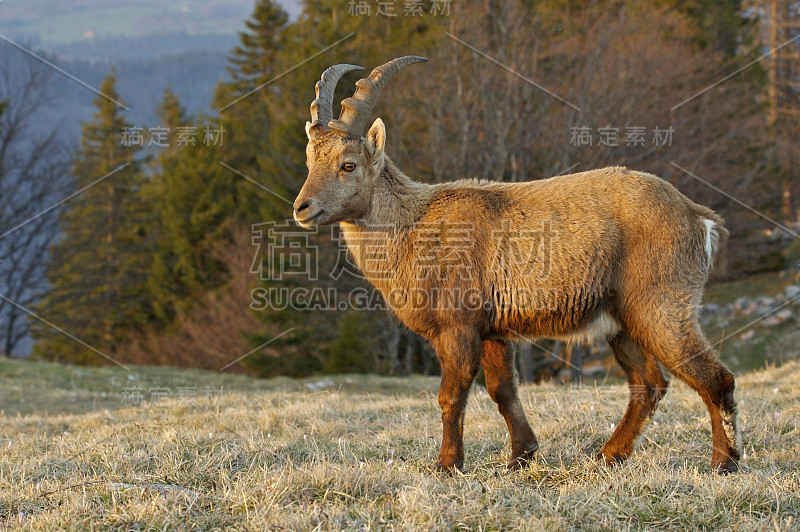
471	265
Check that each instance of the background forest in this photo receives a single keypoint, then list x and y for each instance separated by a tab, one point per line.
164	250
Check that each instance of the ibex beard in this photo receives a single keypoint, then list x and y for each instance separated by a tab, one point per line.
628	261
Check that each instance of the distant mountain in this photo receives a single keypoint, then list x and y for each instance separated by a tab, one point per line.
144	48
53	23
191	75
151	43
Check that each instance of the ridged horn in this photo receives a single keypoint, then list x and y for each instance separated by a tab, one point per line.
322	106
356	110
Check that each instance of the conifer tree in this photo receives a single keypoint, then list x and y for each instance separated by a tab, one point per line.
252	110
97	269
253	60
279	142
168	281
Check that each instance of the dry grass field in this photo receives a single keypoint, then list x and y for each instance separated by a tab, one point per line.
163	449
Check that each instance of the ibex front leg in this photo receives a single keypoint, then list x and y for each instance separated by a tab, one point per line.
459	352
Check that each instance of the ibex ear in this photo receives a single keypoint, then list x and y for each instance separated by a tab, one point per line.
308	130
376	140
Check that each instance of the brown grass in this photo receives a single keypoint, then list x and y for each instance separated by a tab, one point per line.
355	455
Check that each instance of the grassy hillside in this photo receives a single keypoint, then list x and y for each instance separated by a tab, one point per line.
354	452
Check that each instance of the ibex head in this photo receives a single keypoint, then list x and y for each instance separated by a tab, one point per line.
343	165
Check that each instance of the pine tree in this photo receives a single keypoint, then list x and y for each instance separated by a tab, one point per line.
267	144
197	202
279	142
253	61
172	116
171	272
97	270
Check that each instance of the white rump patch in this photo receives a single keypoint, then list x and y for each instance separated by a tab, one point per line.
712	240
603	326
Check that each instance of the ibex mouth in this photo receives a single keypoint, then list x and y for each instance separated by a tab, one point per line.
307	222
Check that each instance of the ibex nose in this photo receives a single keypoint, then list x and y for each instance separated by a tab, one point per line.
298	209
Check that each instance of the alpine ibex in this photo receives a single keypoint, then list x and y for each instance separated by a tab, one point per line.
470	265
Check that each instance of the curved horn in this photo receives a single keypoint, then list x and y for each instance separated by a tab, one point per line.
322	106
356	110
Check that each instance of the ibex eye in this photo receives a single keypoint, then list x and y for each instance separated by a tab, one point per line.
348	167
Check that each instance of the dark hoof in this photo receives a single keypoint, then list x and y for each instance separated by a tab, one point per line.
609	459
521	460
439	467
730	466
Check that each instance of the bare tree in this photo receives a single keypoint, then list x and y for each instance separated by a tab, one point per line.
33	178
517	82
514	83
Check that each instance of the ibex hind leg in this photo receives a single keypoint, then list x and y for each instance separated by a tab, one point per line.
646	387
501	383
686	353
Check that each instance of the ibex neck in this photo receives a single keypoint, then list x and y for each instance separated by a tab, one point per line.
397	199
398	202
